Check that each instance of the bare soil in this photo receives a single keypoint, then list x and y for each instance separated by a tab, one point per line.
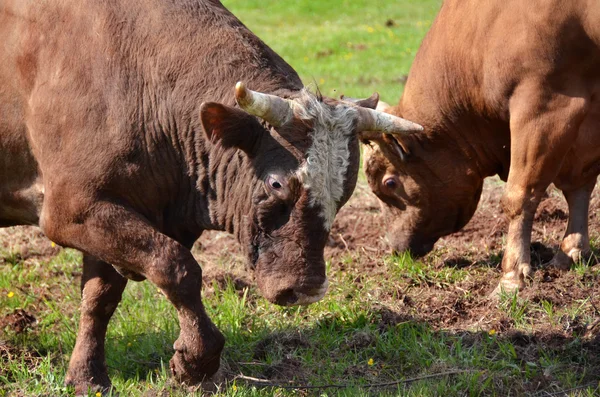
357	234
478	249
19	321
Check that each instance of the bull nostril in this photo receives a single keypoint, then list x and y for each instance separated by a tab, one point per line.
286	297
420	250
428	247
416	249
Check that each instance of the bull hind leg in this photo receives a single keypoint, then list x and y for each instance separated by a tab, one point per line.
101	291
575	245
122	237
543	126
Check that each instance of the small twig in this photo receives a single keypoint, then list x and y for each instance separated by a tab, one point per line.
464	291
258	381
366	248
266	383
594	306
418	378
593	325
254	363
343	241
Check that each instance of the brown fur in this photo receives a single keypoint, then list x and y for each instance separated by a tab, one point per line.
103	144
501	87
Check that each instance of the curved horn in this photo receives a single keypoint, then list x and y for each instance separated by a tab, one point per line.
373	120
271	108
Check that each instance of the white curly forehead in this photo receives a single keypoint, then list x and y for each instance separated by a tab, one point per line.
323	173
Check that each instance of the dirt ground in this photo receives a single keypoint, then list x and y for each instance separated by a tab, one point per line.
477	249
357	234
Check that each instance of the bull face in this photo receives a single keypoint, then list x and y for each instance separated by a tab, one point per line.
302	162
288	236
296	197
424	196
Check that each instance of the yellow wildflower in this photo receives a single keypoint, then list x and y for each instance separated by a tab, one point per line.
492	332
370	29
52	244
370	362
234	387
10	294
98	394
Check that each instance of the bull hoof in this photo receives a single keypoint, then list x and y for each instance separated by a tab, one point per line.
191	366
89	378
190	372
561	261
564	261
86	388
506	286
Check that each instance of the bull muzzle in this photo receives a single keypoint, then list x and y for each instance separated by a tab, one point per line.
416	247
303	294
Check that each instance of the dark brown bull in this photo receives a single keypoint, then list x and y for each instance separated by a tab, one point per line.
501	87
105	110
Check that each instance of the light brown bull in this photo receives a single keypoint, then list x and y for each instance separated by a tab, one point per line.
501	87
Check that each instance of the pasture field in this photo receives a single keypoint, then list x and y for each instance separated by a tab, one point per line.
389	325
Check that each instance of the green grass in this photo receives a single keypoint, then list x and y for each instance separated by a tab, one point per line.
344	46
346	339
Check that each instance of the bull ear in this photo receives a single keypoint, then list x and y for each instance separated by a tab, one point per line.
370	102
388	144
231	127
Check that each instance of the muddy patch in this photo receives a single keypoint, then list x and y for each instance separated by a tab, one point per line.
18	321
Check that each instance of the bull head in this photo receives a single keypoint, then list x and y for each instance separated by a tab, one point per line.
302	167
423	192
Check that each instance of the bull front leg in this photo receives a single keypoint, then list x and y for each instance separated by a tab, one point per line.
543	126
120	236
575	245
101	291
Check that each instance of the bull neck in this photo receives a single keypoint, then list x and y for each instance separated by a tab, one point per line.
225	184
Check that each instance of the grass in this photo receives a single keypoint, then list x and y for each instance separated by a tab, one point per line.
355	337
351	47
384	319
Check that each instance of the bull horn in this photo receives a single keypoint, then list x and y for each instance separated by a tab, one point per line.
271	108
373	120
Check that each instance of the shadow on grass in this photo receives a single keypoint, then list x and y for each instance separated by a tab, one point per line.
366	345
383	345
541	254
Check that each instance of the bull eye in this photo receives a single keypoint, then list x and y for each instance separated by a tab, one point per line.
390	183
274	183
277	185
